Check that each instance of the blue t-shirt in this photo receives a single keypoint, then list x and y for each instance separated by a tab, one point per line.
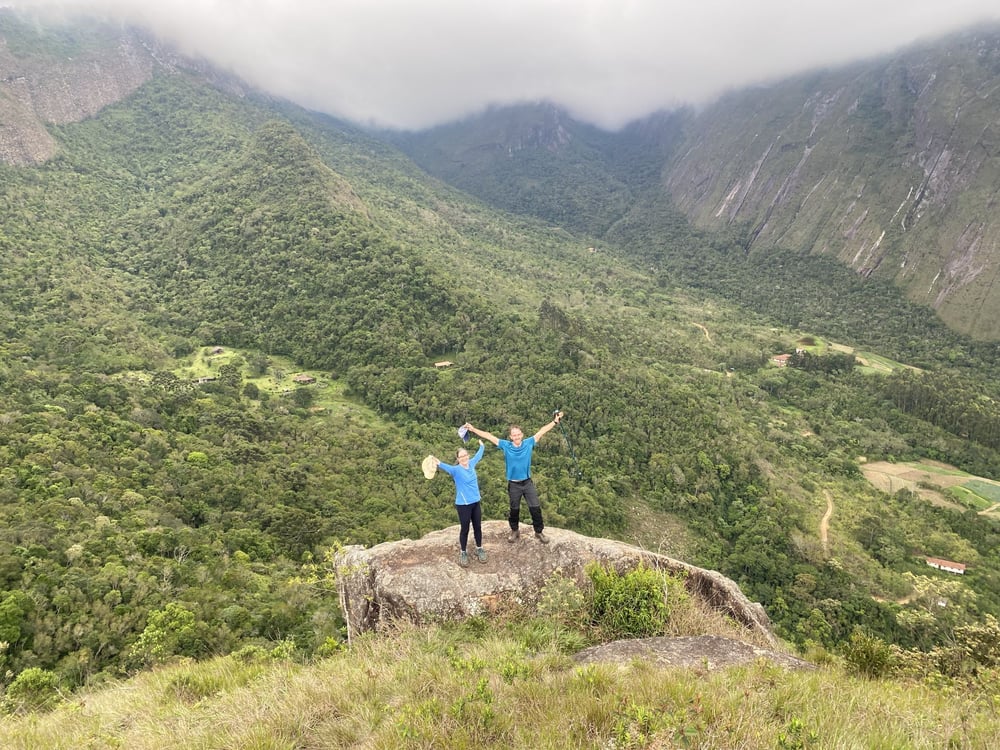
466	481
517	460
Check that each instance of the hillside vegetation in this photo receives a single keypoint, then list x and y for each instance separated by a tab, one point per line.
887	166
510	686
145	516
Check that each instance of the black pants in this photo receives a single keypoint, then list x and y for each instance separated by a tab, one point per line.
525	489
470	515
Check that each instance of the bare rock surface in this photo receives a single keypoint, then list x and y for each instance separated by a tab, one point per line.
421	581
706	652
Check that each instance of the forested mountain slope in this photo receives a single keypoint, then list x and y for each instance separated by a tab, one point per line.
888	165
182	219
164	483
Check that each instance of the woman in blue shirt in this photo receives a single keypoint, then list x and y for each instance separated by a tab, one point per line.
467	499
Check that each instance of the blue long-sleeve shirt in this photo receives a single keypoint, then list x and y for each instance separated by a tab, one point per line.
466	481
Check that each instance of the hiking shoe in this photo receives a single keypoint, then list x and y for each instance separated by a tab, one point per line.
463	559
513	536
481	554
540	536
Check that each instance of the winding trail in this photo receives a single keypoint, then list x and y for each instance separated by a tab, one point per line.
824	524
703	330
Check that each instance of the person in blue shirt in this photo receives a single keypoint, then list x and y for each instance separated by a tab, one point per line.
517	459
467	501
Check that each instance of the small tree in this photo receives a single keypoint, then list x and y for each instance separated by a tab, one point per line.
169	631
980	642
303	397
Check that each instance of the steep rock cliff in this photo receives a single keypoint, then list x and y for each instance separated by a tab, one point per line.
892	166
59	77
56	73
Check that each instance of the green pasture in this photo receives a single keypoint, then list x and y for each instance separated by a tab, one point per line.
932	469
277	379
976	494
876	363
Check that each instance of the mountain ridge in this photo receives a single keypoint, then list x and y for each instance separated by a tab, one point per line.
886	165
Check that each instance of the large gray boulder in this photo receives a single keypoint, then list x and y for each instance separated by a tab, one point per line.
702	652
421	581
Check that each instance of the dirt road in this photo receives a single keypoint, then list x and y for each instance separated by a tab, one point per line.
824	524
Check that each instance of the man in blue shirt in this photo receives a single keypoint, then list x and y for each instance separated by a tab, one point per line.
517	459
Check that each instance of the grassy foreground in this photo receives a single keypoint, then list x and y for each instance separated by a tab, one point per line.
483	685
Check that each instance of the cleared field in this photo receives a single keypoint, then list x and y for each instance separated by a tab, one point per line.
937	483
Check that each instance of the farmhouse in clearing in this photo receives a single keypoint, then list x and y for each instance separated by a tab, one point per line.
946	565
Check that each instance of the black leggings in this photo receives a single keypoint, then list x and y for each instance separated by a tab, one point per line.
525	489
470	514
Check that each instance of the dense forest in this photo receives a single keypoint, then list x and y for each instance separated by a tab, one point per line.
148	512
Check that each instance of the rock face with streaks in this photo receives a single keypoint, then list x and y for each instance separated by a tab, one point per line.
890	165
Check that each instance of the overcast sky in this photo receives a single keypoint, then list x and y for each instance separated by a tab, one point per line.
417	63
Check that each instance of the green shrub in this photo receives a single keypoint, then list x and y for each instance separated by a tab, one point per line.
283	650
868	655
34	689
562	600
250	654
632	605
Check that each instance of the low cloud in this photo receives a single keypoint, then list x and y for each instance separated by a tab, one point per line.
405	64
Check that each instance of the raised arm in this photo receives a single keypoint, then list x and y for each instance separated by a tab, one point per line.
546	427
479	454
483	434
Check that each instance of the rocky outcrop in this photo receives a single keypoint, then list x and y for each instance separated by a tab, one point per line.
421	581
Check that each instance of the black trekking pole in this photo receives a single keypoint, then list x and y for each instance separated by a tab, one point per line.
576	464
